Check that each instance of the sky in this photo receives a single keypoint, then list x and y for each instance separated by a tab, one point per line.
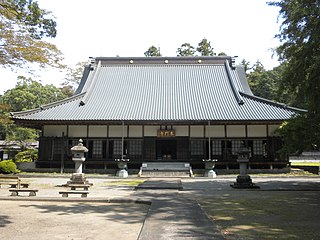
127	28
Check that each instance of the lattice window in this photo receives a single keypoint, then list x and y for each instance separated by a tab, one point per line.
97	149
236	144
58	147
258	147
216	147
135	147
117	147
197	147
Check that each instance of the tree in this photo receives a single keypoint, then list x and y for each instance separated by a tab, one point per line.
153	52
4	119
222	54
186	50
73	78
30	94
27	94
204	48
246	65
300	50
267	84
23	25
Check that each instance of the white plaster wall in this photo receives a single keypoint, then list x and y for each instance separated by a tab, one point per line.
181	131
116	131
135	131
196	131
98	131
54	130
271	129
236	131
78	131
151	131
215	131
257	130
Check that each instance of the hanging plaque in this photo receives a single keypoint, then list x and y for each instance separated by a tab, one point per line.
166	133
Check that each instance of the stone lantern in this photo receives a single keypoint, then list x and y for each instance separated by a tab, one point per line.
243	179
123	166
78	158
209	168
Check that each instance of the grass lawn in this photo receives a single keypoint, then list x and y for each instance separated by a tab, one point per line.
266	215
306	164
132	183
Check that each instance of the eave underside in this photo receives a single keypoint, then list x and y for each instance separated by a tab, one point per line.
40	124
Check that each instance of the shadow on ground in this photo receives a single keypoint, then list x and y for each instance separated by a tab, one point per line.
119	212
281	209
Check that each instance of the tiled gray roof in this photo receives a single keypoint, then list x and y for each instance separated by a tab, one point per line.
162	92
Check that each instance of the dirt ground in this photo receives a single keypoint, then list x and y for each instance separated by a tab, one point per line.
284	208
29	220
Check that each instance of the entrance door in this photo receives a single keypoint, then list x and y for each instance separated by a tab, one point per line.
166	150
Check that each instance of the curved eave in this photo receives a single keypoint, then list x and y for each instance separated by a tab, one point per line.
38	124
25	114
276	104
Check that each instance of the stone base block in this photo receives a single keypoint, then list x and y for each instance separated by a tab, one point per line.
78	178
122	173
244	181
210	174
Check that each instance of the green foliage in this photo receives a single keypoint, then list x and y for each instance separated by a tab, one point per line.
8	166
74	74
26	95
300	50
29	16
29	155
246	65
22	26
153	52
204	48
268	84
186	50
4	119
262	82
21	134
297	134
30	94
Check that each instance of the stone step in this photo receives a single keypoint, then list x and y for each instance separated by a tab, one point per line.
147	173
165	166
165	169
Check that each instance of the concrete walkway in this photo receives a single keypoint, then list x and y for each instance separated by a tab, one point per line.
172	216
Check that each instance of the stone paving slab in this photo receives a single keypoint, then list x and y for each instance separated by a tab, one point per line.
155	184
178	219
171	216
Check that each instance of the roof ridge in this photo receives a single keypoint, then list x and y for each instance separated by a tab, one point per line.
92	83
232	84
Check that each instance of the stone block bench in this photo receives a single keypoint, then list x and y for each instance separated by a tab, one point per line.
15	192
13	182
67	192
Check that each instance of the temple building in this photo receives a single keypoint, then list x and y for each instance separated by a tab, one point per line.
160	109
